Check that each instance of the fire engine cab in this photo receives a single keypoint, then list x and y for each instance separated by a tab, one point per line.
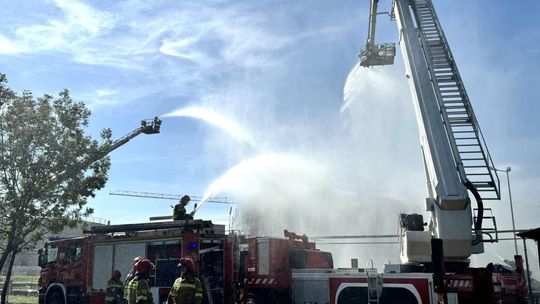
76	270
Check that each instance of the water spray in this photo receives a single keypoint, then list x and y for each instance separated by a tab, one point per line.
216	119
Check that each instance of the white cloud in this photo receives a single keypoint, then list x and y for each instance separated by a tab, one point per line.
106	92
7	46
78	24
85	18
185	49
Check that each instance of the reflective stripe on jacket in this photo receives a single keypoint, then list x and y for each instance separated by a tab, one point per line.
115	290
138	292
186	290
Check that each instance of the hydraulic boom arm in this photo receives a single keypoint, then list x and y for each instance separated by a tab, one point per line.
455	155
150	126
376	54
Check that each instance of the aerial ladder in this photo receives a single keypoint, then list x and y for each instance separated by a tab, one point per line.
148	126
456	157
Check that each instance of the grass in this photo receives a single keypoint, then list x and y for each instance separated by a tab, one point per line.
33	279
23	299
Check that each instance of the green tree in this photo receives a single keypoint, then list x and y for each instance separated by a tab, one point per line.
48	166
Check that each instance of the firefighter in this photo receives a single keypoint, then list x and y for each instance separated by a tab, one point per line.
131	273
115	289
180	209
138	291
187	289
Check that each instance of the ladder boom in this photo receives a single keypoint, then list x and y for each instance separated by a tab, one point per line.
456	157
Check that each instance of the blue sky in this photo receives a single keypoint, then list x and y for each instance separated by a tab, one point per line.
277	69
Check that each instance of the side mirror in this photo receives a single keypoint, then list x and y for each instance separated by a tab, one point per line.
42	258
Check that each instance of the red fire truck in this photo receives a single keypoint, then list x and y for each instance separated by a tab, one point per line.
76	270
235	269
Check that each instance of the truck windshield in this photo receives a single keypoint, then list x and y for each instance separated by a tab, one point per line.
74	252
51	253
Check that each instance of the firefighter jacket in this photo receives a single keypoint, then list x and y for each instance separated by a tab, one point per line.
129	276
186	290
179	212
138	292
115	291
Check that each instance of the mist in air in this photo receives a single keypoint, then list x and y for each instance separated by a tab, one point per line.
340	175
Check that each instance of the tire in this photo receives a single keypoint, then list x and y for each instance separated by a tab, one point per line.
55	296
251	299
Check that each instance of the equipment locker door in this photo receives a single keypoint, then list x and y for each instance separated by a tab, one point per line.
124	255
103	256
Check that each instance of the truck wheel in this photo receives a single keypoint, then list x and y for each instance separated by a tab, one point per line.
251	299
55	296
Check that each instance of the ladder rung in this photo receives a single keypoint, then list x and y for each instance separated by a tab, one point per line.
436	48
466	159
468	145
438	53
440	65
464	138
449	90
485	187
444	79
451	94
456	116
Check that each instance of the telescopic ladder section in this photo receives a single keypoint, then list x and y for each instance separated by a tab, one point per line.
469	149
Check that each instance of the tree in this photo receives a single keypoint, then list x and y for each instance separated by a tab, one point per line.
48	166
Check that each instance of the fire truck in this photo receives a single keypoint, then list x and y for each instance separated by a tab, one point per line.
232	268
434	256
238	269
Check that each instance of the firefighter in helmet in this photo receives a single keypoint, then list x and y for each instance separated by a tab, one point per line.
138	290
115	288
131	273
187	289
180	209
